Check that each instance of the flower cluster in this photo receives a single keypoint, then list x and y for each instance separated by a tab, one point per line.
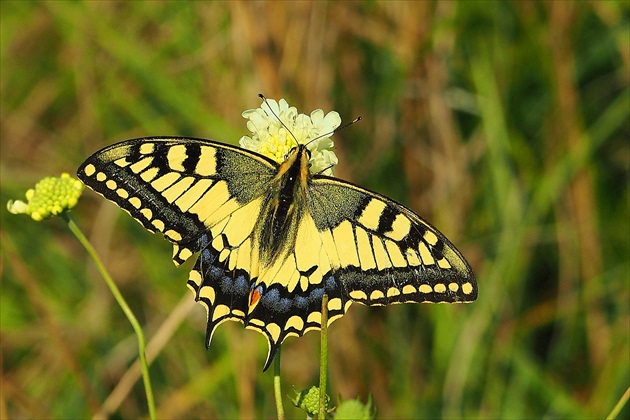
275	135
50	197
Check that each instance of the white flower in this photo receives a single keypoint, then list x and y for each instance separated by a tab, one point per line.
270	138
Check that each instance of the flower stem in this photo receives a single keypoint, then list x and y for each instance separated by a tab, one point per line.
323	363
123	304
277	389
620	404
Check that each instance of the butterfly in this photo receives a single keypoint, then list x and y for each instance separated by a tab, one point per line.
272	238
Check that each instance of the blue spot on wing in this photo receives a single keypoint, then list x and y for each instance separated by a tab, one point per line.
215	272
226	284
270	299
331	284
316	294
207	256
300	302
240	285
284	305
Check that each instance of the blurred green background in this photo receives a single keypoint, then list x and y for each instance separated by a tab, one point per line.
505	124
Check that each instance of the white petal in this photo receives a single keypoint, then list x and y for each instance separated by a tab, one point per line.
17	207
317	116
332	120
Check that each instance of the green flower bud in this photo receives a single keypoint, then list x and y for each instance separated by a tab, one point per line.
308	400
50	197
355	410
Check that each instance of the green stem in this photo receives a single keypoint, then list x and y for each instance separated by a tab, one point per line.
277	389
323	363
620	404
123	304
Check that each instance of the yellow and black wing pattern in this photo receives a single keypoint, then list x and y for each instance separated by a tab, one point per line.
273	239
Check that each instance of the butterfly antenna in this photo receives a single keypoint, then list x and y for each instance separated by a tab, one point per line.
261	96
325	169
357	119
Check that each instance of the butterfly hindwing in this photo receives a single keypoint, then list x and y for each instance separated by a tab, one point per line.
292	289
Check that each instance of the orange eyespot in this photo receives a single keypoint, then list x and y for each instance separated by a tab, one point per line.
254	296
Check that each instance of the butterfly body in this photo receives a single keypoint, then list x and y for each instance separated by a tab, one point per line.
273	238
283	207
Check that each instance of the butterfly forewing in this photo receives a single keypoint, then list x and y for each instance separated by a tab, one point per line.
384	253
179	187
